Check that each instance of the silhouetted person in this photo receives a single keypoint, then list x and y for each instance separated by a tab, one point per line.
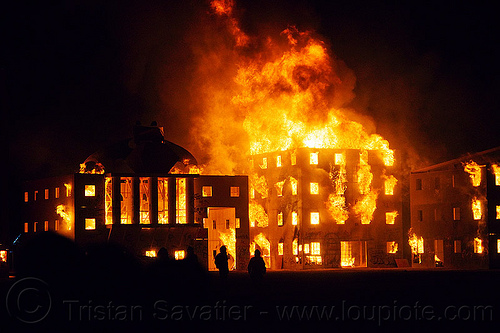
221	263
257	267
191	257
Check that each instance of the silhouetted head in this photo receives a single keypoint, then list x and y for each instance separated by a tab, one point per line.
223	249
257	253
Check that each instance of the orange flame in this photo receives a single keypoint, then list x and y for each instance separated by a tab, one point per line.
474	170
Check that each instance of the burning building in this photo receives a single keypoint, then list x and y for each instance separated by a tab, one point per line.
320	208
135	194
455	212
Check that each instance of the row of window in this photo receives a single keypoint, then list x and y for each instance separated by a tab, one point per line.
56	193
314	217
207	191
476	213
178	254
226	225
436	182
457	247
339	159
314	188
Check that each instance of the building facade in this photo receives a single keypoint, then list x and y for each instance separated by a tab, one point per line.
326	208
455	212
135	193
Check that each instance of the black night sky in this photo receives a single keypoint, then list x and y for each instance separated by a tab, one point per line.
77	74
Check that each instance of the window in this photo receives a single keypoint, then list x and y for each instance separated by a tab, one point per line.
295	247
35	196
35	225
315	248
418	184
26	227
90	190
264	163
314	217
108	200
252	193
26	196
89	224
179	254
476	209
56	225
238	223
206	191
68	190
280	219
498	212
126	205
151	253
314	188
313	158
478	245
392	247
144	200
46	193
278	161
295	218
389	185
293	158
227	224
420	215
498	245
437	183
457	246
294	184
456	213
56	193
235	191
339	159
46	226
214	224
390	217
280	249
181	201
306	248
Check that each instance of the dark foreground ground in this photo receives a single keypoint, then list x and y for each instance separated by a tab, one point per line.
336	300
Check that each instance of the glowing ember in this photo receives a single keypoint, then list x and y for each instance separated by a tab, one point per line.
474	170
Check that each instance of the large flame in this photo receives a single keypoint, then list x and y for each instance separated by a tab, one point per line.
62	211
416	243
474	170
268	93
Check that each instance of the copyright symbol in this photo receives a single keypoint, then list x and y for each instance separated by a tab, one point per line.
28	300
